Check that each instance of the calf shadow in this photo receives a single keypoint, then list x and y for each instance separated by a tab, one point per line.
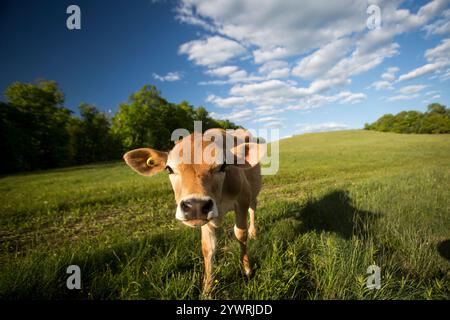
443	249
335	213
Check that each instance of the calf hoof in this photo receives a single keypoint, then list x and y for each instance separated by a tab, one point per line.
252	233
207	290
206	296
248	273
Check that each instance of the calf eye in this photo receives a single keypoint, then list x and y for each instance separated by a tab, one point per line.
169	170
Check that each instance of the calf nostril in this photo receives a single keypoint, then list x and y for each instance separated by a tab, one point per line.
207	207
185	205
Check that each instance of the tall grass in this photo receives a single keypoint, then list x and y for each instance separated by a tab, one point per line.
340	202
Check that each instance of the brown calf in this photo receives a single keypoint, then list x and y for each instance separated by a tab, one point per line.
210	176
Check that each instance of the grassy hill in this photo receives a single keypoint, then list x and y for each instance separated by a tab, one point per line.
342	201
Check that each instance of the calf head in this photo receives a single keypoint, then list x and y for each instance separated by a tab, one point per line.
197	166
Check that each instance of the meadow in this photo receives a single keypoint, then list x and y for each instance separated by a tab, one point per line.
341	201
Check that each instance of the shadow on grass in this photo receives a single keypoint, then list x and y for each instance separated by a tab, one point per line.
335	213
165	253
107	272
444	249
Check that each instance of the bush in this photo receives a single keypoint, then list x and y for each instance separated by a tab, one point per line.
436	120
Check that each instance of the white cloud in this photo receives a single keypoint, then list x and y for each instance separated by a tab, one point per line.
280	29
445	76
322	85
320	127
277	30
266	110
184	14
278	73
440	52
440	26
268	87
272	65
211	51
261	56
298	107
269	122
275	69
412	89
425	69
389	74
349	97
437	57
236	115
223	71
408	93
331	65
267	119
360	61
370	48
171	76
274	96
270	70
432	92
240	115
273	125
402	97
329	41
388	78
232	74
381	85
322	60
226	102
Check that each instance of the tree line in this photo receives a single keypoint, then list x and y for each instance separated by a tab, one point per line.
38	132
435	120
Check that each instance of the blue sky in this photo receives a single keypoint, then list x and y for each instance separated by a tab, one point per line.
298	66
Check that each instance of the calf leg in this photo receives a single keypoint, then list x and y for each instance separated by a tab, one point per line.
240	231
208	250
252	228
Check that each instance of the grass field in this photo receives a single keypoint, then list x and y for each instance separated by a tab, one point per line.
340	202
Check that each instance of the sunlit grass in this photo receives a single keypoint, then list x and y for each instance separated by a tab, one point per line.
341	201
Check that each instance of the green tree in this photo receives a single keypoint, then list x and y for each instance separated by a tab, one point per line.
436	120
135	123
437	108
39	115
149	120
92	140
13	141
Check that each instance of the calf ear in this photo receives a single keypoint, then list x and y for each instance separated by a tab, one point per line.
146	161
248	155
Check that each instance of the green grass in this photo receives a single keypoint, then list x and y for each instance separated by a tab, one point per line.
340	202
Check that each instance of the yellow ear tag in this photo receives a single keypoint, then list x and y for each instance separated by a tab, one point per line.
150	162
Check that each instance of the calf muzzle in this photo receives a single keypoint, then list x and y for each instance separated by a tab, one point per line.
196	211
